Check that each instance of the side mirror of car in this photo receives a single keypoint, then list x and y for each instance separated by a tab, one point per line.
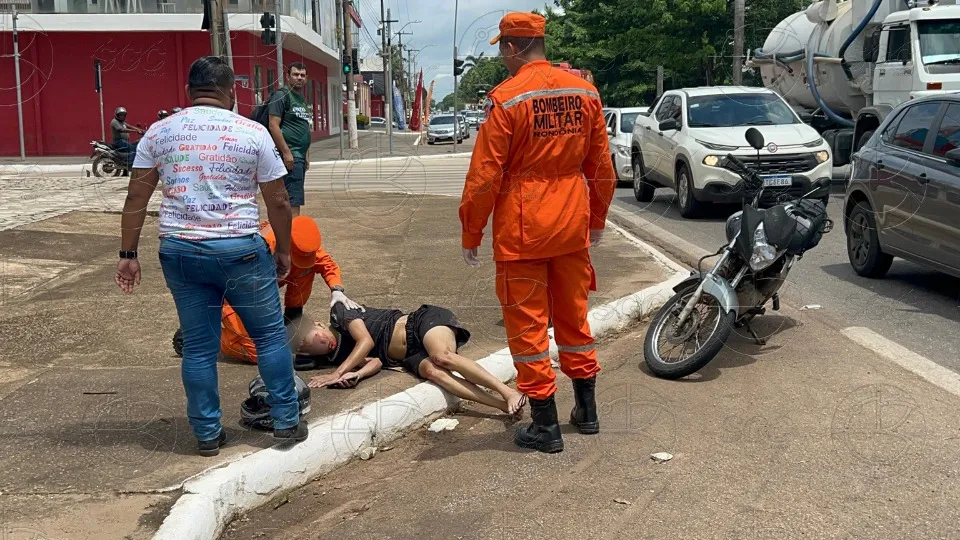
669	124
953	156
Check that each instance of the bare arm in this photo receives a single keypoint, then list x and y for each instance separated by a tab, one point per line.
364	344
277	201
143	182
277	135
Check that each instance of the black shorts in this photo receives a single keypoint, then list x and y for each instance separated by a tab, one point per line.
419	323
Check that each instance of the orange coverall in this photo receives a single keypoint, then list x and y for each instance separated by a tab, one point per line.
541	165
234	340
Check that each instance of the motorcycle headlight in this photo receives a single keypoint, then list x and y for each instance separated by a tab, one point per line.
822	156
711	161
624	151
763	254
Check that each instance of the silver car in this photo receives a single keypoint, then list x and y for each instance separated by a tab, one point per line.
619	132
445	127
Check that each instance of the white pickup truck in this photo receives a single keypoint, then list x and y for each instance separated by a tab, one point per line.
682	141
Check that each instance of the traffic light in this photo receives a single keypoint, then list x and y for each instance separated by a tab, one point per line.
267	22
457	67
355	60
347	63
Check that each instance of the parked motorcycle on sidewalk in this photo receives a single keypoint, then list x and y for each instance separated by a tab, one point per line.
763	245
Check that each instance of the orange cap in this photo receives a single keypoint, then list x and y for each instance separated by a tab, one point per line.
520	24
305	242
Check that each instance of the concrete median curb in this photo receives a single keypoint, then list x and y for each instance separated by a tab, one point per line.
214	498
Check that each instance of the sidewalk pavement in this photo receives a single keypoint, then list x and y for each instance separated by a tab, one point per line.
809	436
94	438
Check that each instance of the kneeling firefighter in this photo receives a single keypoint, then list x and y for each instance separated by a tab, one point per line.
541	167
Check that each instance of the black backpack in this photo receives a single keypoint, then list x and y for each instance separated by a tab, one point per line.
261	113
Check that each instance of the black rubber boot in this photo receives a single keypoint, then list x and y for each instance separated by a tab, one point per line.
584	414
212	447
543	433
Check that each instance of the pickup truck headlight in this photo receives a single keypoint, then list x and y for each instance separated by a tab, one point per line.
711	161
814	143
822	156
623	151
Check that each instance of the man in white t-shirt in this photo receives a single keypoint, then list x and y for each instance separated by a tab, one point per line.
210	162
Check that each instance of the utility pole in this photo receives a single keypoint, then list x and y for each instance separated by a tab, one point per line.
351	98
16	71
280	71
340	86
738	9
659	81
387	72
404	80
456	119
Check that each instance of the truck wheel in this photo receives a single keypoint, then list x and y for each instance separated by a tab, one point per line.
642	189
863	243
690	207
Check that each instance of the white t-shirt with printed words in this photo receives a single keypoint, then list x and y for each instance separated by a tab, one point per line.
210	161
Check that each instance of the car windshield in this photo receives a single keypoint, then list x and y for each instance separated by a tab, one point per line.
727	110
627	120
939	41
441	120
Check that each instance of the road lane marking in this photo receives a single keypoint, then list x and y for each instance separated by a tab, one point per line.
905	358
657	255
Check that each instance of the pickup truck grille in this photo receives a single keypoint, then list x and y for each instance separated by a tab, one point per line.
785	164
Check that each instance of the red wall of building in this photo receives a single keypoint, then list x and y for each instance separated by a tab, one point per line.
144	72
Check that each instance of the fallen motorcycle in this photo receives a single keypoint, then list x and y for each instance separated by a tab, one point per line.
763	245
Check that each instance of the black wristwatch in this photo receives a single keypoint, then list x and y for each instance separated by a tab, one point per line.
337	288
128	254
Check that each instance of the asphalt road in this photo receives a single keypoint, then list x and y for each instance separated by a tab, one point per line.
913	306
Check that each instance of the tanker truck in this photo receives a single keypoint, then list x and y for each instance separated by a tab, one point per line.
867	57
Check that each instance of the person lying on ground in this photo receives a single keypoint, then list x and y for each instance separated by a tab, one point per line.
424	342
308	259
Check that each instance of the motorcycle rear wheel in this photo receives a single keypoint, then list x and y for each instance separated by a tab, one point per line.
104	167
719	325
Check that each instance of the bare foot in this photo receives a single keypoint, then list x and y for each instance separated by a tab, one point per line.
516	402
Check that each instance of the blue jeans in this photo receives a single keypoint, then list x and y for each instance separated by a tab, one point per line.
294	181
201	274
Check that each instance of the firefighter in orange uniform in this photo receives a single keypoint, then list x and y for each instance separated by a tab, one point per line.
308	258
542	168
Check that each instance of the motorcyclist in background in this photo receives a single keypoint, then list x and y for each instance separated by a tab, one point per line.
121	131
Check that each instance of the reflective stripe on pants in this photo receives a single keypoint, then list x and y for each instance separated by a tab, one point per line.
531	292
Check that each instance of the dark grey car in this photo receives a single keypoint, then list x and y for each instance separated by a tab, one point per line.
903	198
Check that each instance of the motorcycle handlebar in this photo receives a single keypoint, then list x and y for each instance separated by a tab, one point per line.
750	177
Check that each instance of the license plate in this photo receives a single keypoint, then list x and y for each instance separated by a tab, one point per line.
780	180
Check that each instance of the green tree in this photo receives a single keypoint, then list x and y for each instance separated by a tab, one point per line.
623	41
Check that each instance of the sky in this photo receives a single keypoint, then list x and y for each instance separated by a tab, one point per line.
477	22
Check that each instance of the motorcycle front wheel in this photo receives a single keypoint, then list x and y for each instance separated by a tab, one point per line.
104	167
671	352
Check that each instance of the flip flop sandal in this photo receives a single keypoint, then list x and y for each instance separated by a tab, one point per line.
523	403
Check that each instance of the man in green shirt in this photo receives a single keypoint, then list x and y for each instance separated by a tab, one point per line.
290	129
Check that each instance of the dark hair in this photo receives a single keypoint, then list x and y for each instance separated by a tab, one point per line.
210	73
526	45
298	65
